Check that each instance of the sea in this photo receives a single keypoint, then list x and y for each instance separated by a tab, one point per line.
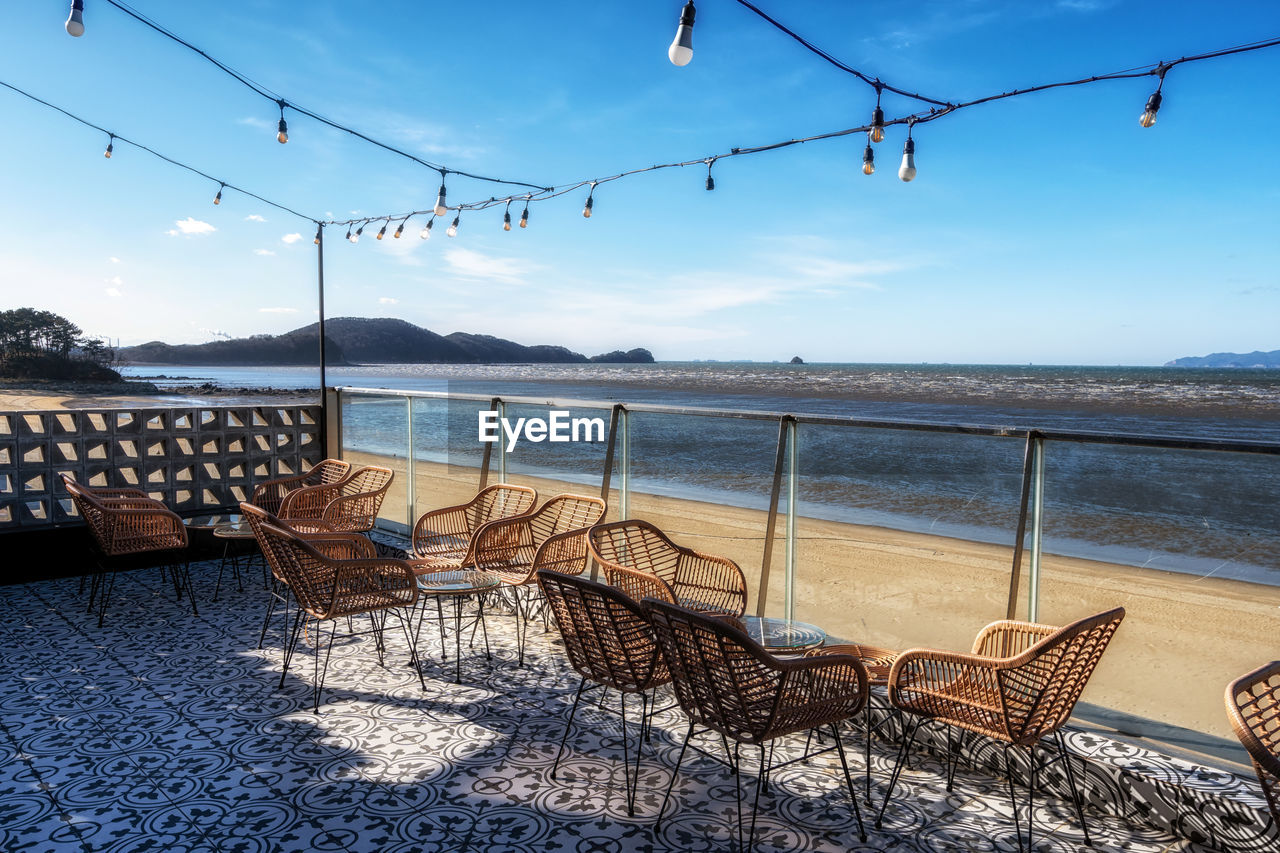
1210	513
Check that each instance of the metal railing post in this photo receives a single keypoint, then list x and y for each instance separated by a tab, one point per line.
411	489
624	467
1037	526
502	443
793	486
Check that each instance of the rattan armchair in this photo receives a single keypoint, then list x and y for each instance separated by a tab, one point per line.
1253	706
1017	687
610	643
728	683
348	506
271	493
641	560
509	548
127	528
442	538
331	580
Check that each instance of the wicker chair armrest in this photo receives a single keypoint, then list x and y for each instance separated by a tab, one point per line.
439	530
503	545
1009	638
964	689
341	546
130	502
566	553
353	512
130	524
1261	708
361	585
638	585
308	502
710	583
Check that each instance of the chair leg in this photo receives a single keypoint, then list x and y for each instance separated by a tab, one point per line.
628	784
105	597
674	773
848	781
291	642
1071	781
191	589
953	757
271	609
1031	798
1013	797
410	639
322	669
582	685
897	768
761	782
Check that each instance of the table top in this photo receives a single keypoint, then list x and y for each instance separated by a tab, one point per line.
234	530
782	634
456	583
213	521
878	661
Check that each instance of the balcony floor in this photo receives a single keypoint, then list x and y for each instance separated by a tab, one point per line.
164	731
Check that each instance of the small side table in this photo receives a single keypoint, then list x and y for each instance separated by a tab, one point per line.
457	585
234	535
782	635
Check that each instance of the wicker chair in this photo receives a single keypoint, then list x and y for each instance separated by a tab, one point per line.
348	506
269	494
332	576
126	525
1018	686
639	559
442	538
727	683
509	548
1253	705
610	644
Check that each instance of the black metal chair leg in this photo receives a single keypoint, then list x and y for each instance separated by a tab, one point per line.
291	643
848	780
897	768
628	785
322	669
761	782
582	685
1013	798
953	757
271	609
1031	798
1076	799
674	773
411	640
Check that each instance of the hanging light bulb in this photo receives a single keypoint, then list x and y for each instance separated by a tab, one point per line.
383	232
283	135
524	217
877	125
506	218
868	160
907	171
681	50
453	226
441	209
349	233
75	22
111	145
1153	107
319	228
217	199
711	182
400	230
586	210
426	229
355	238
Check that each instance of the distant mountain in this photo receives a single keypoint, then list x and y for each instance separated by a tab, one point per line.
1230	359
362	340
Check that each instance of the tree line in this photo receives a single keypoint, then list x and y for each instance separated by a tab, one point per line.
42	344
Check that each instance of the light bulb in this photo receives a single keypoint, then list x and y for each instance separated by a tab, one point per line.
1153	107
868	160
110	147
441	209
907	171
399	230
877	125
283	136
586	210
217	199
681	50
355	238
426	229
524	217
348	232
453	226
506	221
711	183
318	230
383	232
75	22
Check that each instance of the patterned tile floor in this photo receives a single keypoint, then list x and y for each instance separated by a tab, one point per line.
168	732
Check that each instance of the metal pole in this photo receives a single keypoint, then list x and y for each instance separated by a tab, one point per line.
1019	540
488	445
624	478
502	443
793	487
771	525
411	491
324	380
1037	524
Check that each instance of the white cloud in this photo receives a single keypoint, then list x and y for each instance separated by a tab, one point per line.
469	264
278	310
116	280
254	121
114	292
114	259
253	217
291	238
189	227
388	300
263	252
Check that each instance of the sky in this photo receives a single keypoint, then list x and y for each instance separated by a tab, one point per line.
1047	229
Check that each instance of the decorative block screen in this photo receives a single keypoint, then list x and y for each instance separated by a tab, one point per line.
191	458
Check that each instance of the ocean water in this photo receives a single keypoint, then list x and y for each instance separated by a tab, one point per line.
1188	511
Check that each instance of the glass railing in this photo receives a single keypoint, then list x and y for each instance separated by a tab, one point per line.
906	534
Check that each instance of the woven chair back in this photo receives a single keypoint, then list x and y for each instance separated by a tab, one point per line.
606	635
722	678
499	501
303	569
564	513
91	510
1040	694
638	545
256	517
326	472
1253	705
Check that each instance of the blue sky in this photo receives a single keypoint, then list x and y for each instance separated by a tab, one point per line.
1049	228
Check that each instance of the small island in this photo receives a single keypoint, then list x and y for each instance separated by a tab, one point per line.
795	359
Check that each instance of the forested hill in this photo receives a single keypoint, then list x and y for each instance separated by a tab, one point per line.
1230	359
360	340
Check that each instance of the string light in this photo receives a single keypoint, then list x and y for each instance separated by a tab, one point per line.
217	199
349	233
586	210
75	22
319	228
355	238
711	182
1153	103
524	217
400	230
441	209
868	158
877	118
426	229
283	135
907	171
111	145
681	50
383	231
453	226
506	217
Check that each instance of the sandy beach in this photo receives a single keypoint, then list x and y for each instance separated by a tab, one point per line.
1184	637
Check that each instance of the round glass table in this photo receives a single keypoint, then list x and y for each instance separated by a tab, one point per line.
212	521
457	585
783	635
